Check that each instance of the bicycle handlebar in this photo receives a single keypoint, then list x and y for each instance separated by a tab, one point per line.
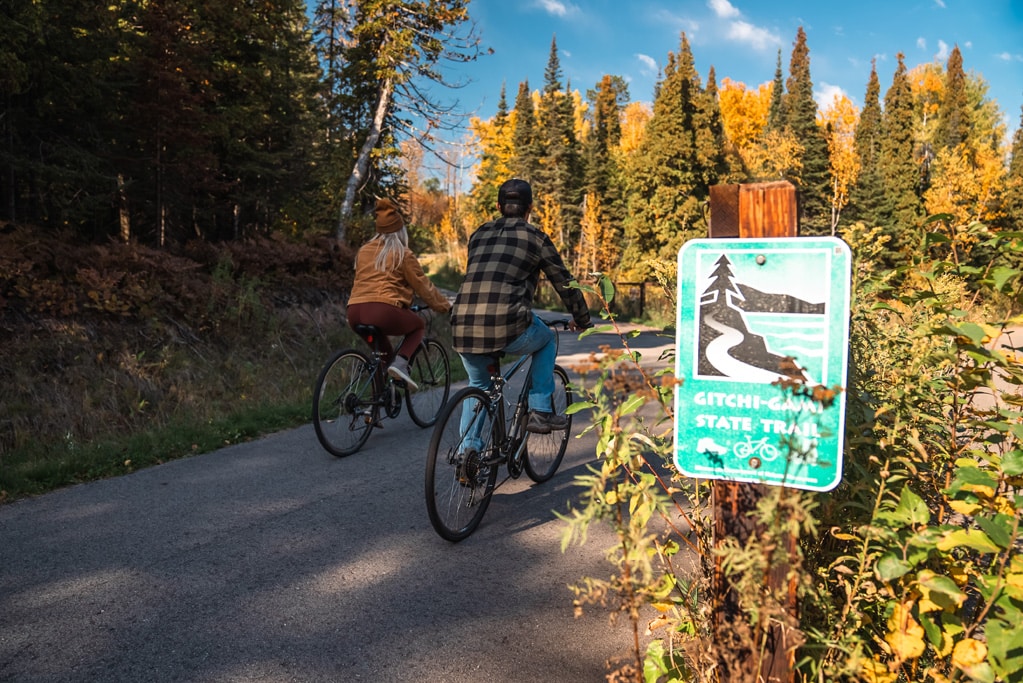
564	323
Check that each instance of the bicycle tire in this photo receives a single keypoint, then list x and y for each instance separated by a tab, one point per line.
459	483
544	452
430	369
344	405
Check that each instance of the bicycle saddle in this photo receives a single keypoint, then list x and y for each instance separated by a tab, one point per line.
365	330
371	333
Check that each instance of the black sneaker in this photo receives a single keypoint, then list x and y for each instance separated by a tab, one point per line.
545	423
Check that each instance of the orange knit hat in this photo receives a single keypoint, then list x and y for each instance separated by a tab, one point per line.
388	219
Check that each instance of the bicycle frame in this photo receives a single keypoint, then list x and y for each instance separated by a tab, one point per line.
353	392
476	433
512	434
386	393
511	437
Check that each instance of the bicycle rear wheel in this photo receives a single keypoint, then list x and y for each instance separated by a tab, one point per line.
461	469
545	451
344	409
429	368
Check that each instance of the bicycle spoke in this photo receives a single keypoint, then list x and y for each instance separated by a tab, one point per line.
344	409
544	452
459	479
430	369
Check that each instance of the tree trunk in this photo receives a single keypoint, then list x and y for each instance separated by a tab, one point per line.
122	209
362	163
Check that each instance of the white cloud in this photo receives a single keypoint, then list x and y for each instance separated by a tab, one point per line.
1009	57
825	93
968	44
557	7
742	31
921	43
940	3
756	37
649	63
942	51
723	9
664	17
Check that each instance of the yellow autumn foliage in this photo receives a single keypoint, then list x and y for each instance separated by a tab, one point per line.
965	184
905	634
744	112
839	121
968	653
634	119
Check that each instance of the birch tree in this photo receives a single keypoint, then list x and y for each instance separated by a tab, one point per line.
394	49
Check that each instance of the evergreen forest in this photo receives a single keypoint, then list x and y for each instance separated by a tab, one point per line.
162	123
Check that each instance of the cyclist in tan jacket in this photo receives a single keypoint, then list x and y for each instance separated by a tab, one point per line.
387	275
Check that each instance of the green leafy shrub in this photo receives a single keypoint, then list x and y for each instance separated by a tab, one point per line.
910	570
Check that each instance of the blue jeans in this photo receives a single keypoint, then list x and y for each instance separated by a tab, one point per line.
538	340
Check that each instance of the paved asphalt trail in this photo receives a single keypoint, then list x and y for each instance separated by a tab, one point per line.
273	561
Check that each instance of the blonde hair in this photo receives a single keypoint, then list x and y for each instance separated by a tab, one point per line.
392	253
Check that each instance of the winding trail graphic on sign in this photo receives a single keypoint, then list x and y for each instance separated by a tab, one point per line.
726	345
717	353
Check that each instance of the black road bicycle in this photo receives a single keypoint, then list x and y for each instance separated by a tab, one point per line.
475	435
354	392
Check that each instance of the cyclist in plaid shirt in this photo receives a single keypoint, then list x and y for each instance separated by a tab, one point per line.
493	313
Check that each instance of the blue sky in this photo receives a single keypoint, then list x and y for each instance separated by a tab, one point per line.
741	39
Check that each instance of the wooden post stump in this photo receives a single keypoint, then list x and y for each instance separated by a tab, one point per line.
755	210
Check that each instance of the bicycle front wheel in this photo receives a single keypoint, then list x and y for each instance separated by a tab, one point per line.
545	451
461	467
344	410
429	368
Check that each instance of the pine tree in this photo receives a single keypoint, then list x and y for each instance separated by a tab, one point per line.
605	131
666	191
812	180
604	209
901	210
394	47
954	120
711	141
175	119
57	90
557	192
868	192
525	161
776	112
1013	195
275	88
494	159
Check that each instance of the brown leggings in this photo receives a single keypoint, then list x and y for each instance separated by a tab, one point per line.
390	320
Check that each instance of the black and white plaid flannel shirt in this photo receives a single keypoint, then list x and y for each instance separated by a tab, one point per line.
494	304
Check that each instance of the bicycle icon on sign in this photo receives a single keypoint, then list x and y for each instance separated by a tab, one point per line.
758	450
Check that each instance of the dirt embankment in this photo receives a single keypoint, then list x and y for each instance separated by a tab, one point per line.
109	337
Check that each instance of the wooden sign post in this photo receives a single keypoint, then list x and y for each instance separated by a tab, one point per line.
757	210
741	294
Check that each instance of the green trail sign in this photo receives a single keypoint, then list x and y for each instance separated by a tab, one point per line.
752	312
